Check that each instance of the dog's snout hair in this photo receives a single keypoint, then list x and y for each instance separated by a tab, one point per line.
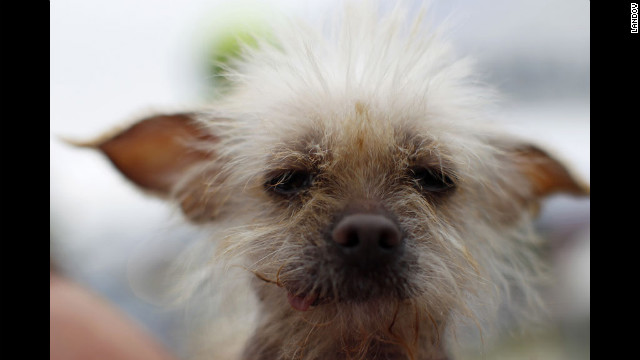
347	172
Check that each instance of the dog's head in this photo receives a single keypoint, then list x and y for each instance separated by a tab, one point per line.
349	175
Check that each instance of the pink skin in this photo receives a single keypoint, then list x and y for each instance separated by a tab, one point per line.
301	302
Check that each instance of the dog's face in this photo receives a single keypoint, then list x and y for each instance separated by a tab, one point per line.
359	207
343	223
365	205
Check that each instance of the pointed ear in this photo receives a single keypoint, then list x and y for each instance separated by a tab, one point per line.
170	156
156	152
545	174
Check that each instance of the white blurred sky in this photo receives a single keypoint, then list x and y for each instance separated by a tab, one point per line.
112	61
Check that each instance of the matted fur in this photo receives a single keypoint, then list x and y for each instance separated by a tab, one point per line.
356	102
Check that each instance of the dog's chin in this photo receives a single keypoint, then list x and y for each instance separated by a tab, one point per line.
353	292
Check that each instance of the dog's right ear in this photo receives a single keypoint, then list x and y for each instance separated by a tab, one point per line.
157	153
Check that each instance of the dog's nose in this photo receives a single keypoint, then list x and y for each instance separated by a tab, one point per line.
367	240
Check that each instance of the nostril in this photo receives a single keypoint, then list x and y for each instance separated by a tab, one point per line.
389	238
348	238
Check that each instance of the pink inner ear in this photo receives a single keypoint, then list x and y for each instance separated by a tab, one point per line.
156	151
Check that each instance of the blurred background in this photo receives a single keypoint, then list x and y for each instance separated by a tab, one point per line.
112	62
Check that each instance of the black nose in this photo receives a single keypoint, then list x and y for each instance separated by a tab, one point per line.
367	240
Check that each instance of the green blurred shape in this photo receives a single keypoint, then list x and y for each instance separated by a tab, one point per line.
227	46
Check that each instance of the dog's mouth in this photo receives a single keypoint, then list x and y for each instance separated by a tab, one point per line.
301	301
356	290
305	301
359	288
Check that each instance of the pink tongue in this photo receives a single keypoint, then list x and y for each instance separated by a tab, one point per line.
301	303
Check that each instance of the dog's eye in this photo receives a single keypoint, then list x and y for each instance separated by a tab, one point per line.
290	182
431	180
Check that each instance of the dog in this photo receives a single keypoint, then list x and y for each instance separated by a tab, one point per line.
347	173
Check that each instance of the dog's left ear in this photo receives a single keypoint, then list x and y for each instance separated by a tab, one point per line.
545	174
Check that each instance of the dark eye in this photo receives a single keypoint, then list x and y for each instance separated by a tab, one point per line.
290	182
431	180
